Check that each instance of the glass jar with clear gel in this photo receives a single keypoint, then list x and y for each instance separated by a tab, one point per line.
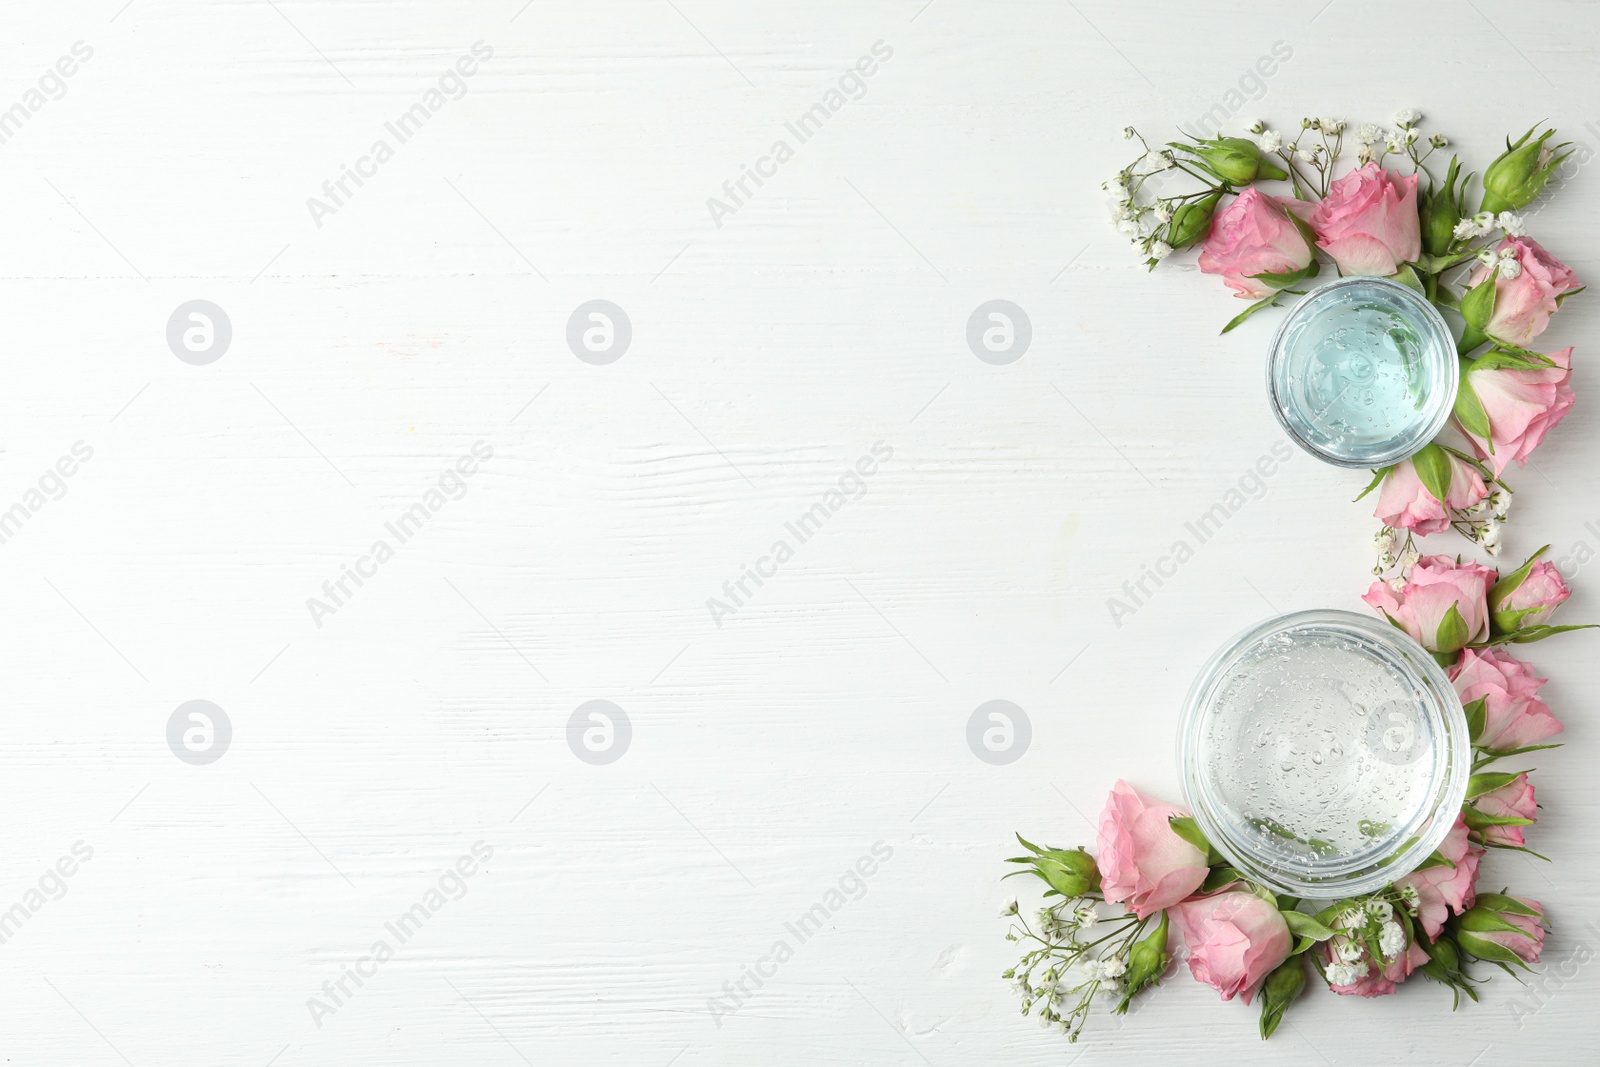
1363	372
1324	754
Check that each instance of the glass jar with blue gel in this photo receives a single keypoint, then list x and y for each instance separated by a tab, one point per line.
1363	372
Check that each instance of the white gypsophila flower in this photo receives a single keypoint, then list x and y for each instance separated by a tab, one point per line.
1158	161
1410	557
1367	133
1412	134
1084	918
1391	940
1348	952
1410	897
1350	918
1163	212
1008	907
1113	968
1407	117
1380	909
1271	141
1383	540
1257	126
1439	140
1346	973
1488	258
1397	585
1306	156
1127	228
1465	230
1490	537
1510	223
1500	501
1392	144
1333	125
1160	250
1127	133
1510	268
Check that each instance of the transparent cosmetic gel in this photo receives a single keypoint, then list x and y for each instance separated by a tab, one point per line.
1362	372
1324	754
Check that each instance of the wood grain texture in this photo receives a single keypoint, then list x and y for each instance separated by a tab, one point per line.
826	315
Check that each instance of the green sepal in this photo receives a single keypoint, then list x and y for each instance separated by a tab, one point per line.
1453	634
1469	410
1302	925
1251	310
1489	781
1477	714
1377	479
1434	469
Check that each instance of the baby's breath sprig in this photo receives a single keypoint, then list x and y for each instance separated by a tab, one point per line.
1059	979
1157	225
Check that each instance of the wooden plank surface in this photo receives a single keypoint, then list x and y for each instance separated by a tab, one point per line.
780	346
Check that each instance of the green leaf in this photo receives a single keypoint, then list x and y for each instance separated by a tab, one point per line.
1434	468
1407	276
1303	925
1469	409
1435	264
1251	310
1377	479
1477	820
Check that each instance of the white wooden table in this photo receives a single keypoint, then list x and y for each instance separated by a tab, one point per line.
777	341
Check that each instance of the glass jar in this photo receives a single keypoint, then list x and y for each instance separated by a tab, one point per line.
1363	372
1324	754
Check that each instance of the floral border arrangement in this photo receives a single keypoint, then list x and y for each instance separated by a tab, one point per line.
1151	858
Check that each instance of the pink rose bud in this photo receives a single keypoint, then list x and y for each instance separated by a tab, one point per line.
1506	411
1504	929
1406	501
1143	862
1524	599
1235	939
1513	715
1443	889
1443	606
1255	235
1523	304
1368	222
1499	814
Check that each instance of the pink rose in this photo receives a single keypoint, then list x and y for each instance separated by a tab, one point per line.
1437	584
1514	800
1255	235
1514	716
1522	406
1368	222
1143	863
1405	503
1235	940
1479	936
1442	889
1523	305
1379	981
1540	593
